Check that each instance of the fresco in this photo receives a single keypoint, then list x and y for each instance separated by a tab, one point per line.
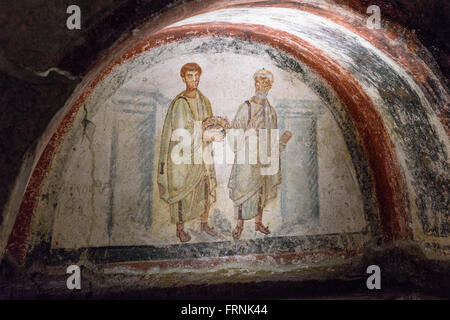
114	183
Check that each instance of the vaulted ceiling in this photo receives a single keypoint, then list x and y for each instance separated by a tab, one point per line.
391	83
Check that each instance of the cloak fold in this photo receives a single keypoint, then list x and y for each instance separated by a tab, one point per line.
185	182
248	187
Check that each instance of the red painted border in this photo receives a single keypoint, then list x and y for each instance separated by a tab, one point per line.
405	52
367	120
402	52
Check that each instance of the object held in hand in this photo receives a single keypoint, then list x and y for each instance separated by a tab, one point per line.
216	123
287	135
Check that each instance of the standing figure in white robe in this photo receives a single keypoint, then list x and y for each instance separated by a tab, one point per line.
250	189
189	188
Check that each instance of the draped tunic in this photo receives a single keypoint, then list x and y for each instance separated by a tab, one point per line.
188	188
249	189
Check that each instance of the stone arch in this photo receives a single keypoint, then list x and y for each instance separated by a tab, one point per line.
395	198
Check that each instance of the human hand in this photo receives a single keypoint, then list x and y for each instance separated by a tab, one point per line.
287	135
214	135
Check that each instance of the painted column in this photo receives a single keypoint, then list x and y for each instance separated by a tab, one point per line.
134	117
299	199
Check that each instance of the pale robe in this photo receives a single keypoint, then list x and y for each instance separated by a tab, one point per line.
249	189
188	188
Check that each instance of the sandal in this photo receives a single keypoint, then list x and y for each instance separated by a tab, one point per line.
237	231
183	236
260	227
207	229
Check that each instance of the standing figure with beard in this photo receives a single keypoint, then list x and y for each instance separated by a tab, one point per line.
190	187
250	190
